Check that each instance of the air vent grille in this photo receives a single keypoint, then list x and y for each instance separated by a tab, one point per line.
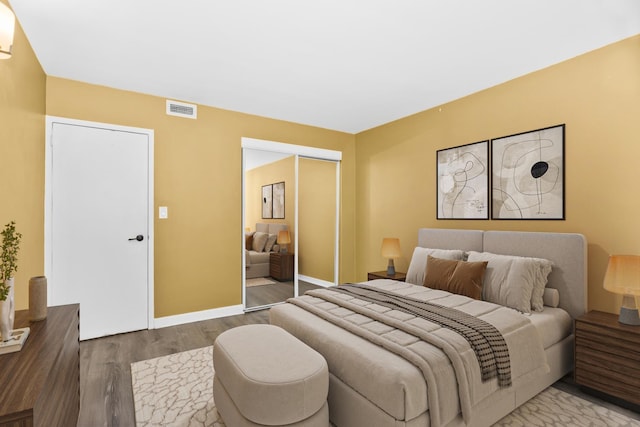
181	109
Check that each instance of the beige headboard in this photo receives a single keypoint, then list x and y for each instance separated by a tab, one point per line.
270	228
567	251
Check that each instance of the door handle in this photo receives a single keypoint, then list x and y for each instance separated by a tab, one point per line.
139	238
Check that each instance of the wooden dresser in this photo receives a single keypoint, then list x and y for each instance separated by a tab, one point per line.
608	356
40	384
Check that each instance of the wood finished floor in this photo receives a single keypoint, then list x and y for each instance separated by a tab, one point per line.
106	398
274	293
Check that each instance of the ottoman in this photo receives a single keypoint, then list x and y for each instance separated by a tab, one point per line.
265	376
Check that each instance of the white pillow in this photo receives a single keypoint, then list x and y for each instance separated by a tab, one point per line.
551	297
259	241
537	296
510	280
271	240
418	265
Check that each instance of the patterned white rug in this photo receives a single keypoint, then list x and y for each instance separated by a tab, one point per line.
555	407
176	391
259	281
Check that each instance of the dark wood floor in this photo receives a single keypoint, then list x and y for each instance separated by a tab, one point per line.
278	292
106	398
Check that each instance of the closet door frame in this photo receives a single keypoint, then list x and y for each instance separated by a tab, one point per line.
297	151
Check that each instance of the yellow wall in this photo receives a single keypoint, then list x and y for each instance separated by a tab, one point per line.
272	173
198	169
22	106
198	176
597	96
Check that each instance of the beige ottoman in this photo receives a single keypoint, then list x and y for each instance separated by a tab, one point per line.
264	376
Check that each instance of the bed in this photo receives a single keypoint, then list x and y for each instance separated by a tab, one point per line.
373	384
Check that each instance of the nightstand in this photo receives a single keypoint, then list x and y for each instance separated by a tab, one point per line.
281	266
607	356
400	277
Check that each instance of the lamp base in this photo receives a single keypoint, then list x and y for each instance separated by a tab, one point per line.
629	316
391	269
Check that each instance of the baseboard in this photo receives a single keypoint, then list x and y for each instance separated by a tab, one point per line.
315	281
180	319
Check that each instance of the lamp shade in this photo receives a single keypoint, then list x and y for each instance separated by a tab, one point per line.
391	247
284	238
7	27
623	275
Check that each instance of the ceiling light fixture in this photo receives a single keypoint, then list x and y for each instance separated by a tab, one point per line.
7	28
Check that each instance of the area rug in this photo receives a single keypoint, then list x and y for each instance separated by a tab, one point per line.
259	281
176	391
555	407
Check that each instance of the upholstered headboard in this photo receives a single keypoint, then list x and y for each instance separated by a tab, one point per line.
567	251
270	228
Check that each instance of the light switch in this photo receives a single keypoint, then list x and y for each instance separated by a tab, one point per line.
163	212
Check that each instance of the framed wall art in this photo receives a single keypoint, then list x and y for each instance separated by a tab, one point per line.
278	200
463	181
267	201
527	175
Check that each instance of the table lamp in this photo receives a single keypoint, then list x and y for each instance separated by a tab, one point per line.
623	277
284	238
391	250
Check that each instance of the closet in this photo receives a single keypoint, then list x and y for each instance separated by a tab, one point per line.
310	208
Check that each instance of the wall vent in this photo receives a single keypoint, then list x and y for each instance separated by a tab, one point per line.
181	109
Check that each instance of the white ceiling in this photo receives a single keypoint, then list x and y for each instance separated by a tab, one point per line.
347	65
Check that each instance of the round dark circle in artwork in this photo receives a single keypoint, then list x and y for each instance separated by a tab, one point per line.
539	169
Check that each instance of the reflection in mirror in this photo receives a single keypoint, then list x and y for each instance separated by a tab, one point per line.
269	272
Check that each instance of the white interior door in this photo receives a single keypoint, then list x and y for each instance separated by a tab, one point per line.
99	223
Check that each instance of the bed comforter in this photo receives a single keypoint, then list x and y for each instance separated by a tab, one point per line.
448	363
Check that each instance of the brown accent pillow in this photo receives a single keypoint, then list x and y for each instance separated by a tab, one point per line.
457	277
248	240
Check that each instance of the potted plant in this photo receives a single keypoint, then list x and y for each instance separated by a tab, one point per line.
8	266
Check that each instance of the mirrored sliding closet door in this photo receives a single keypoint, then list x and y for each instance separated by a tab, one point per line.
290	221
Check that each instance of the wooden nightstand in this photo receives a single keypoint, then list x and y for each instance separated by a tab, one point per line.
281	266
607	356
400	277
